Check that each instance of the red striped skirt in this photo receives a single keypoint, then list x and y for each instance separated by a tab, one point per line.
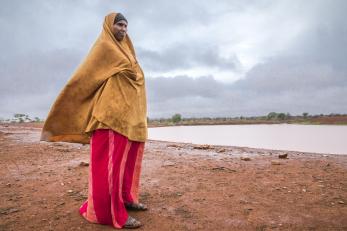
114	177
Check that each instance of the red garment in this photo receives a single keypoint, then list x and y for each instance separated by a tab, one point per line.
114	176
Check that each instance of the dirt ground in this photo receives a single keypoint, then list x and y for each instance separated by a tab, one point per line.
186	186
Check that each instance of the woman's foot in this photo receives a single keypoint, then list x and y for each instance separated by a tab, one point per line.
132	223
136	206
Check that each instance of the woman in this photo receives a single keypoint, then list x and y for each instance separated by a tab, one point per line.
104	104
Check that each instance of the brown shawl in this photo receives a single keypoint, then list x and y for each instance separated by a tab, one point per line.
108	87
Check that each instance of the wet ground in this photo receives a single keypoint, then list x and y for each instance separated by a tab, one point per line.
186	186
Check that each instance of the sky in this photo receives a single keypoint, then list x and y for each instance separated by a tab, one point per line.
200	58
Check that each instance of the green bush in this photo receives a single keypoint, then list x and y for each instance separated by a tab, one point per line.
176	118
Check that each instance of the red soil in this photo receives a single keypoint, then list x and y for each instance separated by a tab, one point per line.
186	187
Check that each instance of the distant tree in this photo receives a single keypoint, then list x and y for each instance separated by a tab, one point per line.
305	114
272	115
281	116
20	117
176	118
331	114
37	119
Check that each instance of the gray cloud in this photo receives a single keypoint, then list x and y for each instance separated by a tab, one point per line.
31	82
161	89
247	97
181	56
297	50
37	72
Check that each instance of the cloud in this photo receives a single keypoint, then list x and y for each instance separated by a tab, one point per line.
250	96
227	58
183	56
31	82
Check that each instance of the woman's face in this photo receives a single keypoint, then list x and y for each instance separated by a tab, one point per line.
120	29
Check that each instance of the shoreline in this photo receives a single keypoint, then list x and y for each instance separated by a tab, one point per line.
35	125
318	139
251	149
186	186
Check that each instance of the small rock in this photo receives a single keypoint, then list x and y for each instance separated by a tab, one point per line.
247	212
83	164
283	156
173	146
273	162
8	184
221	150
242	201
245	158
304	190
221	168
341	202
203	147
70	191
11	210
168	164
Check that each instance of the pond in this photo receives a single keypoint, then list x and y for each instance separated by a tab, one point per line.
328	139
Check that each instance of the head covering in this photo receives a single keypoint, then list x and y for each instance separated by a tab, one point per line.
119	17
108	87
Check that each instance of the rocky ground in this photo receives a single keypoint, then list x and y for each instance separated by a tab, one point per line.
186	186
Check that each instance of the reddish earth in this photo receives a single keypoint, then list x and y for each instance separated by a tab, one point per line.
186	187
330	120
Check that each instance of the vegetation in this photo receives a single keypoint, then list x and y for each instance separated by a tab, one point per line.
271	118
21	118
178	119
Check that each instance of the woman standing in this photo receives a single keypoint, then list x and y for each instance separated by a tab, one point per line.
104	104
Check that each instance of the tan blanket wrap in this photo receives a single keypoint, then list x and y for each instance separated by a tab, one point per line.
107	89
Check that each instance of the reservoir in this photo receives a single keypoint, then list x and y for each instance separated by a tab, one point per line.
328	139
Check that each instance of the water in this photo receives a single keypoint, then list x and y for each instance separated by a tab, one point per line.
329	139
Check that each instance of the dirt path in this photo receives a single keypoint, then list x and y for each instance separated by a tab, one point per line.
187	187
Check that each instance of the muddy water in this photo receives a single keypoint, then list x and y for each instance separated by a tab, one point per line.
329	139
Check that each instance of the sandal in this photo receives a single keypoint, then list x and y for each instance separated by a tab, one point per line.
132	223
136	207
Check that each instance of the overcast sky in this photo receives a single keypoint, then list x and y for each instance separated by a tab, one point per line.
200	58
